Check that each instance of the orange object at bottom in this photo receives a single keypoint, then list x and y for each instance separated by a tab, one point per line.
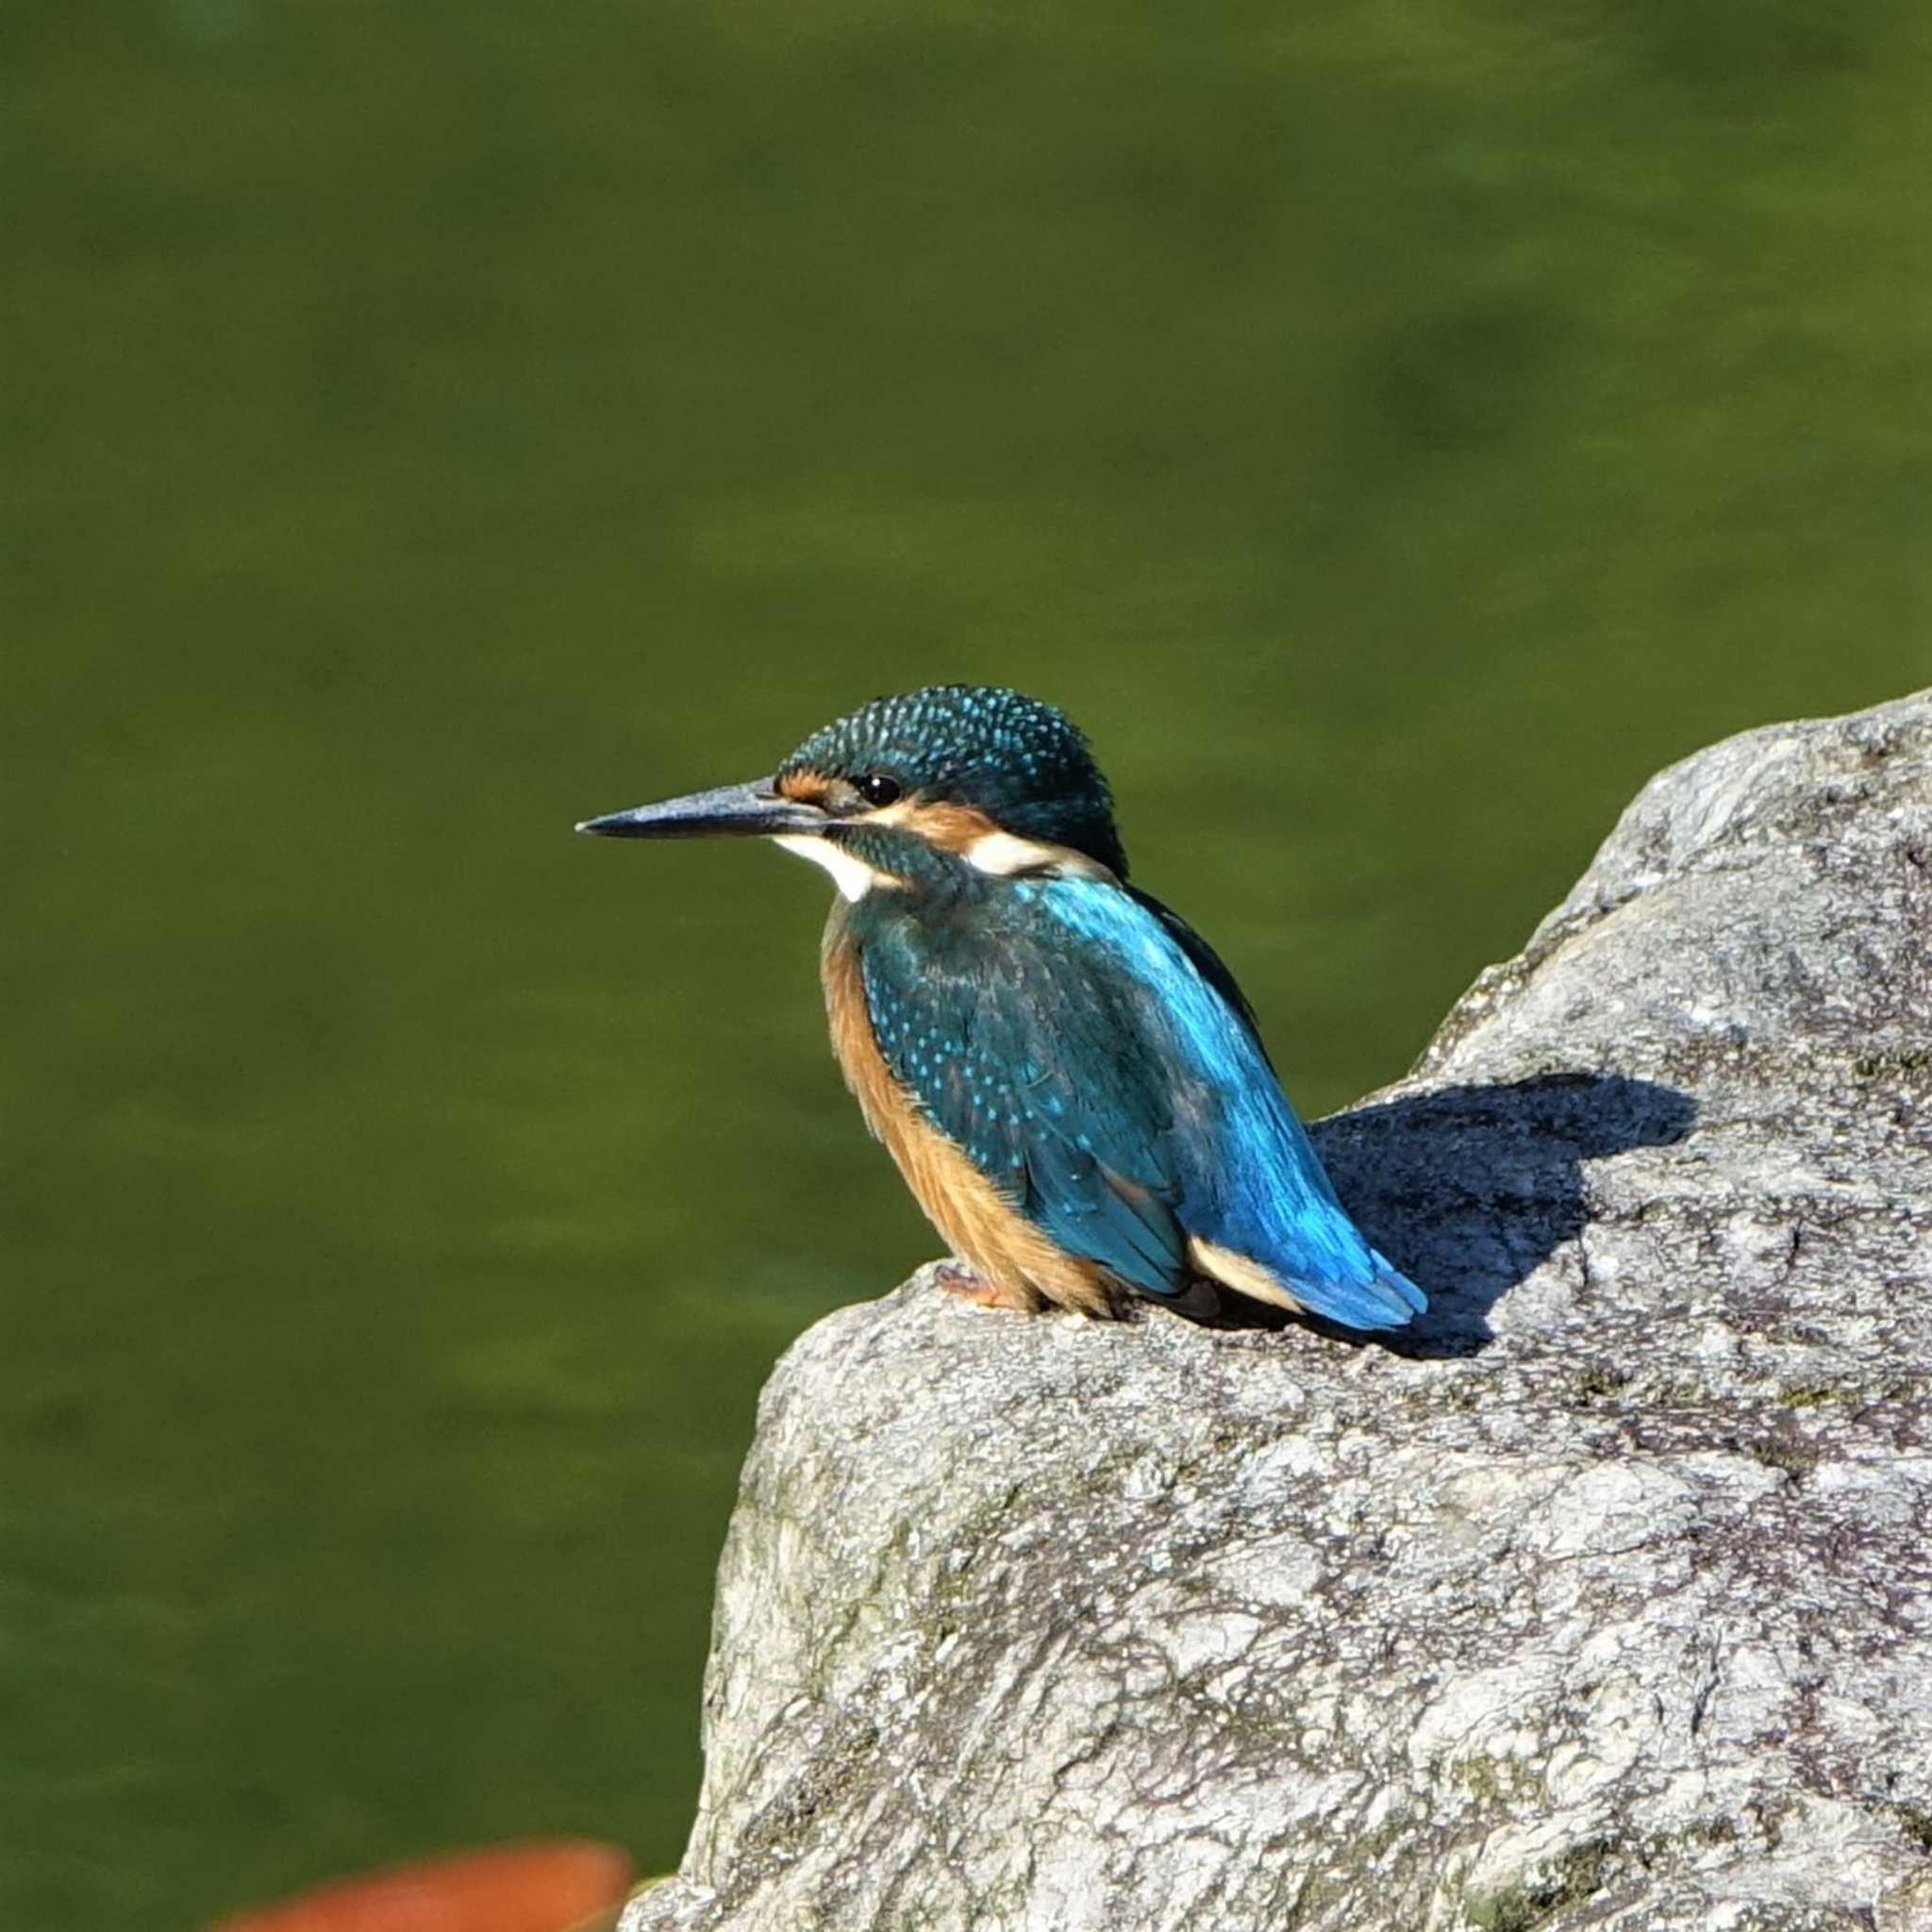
525	1888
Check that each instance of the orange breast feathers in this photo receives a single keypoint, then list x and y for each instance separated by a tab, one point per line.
1022	1267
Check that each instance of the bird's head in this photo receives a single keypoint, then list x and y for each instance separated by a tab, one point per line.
953	773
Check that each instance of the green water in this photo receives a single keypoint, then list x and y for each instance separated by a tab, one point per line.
1394	430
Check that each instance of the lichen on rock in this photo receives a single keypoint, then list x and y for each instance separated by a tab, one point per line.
1604	1602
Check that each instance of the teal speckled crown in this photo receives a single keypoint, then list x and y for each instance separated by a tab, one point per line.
1020	761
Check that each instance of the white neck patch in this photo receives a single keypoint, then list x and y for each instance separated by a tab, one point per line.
1004	855
850	874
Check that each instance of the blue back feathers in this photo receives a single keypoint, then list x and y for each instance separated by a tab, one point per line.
1092	1056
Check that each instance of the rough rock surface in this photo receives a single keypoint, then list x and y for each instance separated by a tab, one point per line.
1607	1605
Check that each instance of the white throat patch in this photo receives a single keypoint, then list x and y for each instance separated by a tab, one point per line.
850	874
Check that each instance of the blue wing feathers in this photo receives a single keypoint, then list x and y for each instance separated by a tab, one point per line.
1094	1058
1127	1230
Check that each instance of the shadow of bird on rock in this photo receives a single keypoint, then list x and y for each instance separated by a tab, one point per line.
1468	1188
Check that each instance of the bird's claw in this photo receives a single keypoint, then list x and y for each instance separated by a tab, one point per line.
957	1278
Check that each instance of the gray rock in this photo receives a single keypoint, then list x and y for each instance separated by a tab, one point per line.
1605	1603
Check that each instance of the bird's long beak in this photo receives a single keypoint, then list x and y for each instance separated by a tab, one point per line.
747	812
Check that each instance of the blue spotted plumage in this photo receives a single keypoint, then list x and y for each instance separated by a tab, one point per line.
1068	1076
1067	1042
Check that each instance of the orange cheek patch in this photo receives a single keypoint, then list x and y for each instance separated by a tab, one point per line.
805	788
951	827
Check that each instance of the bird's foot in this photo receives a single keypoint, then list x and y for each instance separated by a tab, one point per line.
957	1277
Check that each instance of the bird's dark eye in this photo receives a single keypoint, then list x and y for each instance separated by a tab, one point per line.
878	788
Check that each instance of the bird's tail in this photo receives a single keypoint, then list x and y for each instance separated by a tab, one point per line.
1395	1292
1351	1285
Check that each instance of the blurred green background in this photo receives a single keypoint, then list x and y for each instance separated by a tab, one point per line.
1393	429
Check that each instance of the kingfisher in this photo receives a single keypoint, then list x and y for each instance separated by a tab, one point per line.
1069	1078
